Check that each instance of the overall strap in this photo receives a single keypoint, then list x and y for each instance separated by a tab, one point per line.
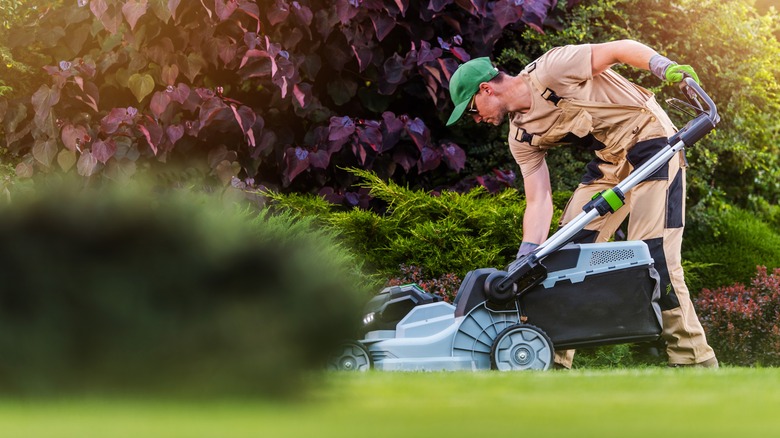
547	94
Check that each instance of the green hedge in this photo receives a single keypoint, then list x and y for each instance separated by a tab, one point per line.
729	242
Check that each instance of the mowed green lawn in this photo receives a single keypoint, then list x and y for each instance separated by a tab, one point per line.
651	402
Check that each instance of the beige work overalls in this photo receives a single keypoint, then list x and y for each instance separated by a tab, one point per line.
623	137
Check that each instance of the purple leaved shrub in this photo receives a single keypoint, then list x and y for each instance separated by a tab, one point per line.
273	93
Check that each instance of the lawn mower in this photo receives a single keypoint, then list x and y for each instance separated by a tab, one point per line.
561	296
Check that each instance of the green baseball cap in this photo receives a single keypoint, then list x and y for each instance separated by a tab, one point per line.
465	83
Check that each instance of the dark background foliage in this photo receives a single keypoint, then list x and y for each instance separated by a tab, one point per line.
272	93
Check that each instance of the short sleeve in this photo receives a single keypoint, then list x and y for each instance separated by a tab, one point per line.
567	65
529	158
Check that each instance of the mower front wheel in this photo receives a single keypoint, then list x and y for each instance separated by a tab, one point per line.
350	356
521	347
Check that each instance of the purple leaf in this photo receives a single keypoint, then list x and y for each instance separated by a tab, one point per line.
461	54
99	8
382	25
535	11
505	176
251	40
403	5
394	69
253	53
438	5
392	129
172	6
331	195
352	198
179	93
175	133
371	135
153	133
86	164
133	10
159	103
404	158
302	93
302	13
297	160
364	55
210	110
426	54
74	137
346	11
278	13
250	9
225	8
454	156
507	12
111	122
341	128
419	133
360	152
104	150
319	159
429	159
43	99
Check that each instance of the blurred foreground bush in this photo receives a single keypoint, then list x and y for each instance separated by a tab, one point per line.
105	291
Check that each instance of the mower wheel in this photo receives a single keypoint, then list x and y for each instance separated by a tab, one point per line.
521	347
350	356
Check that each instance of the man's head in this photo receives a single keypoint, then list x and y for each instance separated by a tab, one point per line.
464	84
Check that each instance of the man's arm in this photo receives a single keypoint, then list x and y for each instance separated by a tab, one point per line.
637	55
630	52
539	208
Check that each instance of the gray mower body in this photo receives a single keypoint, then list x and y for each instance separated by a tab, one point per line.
594	294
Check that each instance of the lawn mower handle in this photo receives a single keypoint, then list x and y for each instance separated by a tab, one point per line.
528	272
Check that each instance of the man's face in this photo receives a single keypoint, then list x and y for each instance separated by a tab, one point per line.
483	108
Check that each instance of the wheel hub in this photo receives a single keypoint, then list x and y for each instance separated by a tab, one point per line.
348	363
522	355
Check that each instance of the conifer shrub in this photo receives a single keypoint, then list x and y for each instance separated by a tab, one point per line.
743	322
440	233
167	293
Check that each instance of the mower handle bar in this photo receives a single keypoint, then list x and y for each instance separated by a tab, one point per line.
693	131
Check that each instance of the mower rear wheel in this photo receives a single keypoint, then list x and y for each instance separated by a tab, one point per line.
521	347
350	356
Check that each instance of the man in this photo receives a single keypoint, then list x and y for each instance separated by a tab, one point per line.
571	96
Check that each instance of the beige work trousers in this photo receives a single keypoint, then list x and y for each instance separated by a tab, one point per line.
655	209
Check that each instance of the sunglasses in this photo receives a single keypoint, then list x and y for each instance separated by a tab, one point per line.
472	108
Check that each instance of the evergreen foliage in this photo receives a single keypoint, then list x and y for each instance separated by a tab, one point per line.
440	232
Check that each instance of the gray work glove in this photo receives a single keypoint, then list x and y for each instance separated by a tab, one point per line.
525	249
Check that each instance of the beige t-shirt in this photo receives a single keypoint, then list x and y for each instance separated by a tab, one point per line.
567	71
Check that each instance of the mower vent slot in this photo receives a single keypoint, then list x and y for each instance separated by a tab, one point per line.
598	258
